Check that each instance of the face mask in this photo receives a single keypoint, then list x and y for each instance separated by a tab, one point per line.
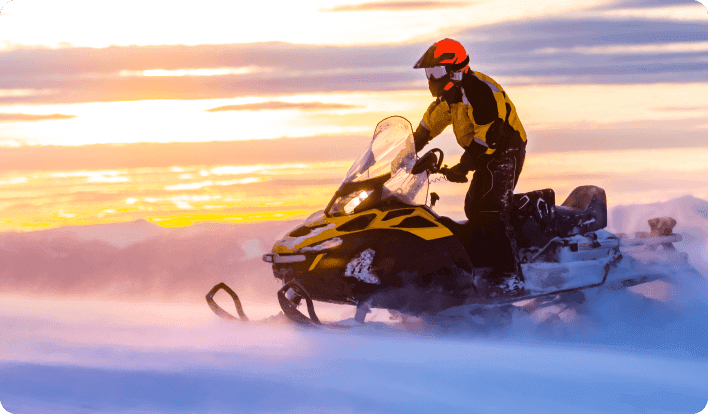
437	86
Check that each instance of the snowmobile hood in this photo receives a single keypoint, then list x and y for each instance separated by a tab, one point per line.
320	232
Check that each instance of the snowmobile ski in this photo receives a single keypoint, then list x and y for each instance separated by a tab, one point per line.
218	310
289	303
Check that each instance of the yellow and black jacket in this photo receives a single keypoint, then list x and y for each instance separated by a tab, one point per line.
472	109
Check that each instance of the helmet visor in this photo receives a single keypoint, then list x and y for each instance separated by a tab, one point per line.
436	72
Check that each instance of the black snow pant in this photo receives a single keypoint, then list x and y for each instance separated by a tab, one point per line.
488	205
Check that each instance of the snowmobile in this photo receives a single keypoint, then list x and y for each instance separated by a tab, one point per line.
379	243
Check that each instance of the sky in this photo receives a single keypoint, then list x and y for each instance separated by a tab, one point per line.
179	112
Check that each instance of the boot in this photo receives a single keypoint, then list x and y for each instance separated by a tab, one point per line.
505	285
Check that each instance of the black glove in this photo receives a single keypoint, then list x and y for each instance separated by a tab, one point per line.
421	136
455	174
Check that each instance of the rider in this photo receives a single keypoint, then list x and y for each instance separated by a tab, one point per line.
486	125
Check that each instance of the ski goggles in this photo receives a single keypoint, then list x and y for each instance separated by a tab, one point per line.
436	72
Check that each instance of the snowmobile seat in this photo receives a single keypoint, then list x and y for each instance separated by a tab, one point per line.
584	211
537	220
533	217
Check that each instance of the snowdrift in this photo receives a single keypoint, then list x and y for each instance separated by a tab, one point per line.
620	351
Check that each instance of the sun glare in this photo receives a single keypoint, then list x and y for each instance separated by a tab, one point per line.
239	192
132	22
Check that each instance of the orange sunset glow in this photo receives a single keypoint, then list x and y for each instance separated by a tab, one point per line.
128	116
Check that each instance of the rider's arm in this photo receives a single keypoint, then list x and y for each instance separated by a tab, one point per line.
435	120
421	136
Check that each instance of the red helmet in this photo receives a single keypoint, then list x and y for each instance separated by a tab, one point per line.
444	62
446	52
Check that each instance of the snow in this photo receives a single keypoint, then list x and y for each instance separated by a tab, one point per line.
636	350
690	213
291	243
325	245
360	267
221	367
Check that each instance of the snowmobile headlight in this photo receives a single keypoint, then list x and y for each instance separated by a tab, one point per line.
288	258
347	204
354	202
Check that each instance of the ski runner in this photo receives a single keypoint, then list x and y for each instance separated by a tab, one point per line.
486	125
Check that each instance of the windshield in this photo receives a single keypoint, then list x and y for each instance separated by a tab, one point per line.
390	158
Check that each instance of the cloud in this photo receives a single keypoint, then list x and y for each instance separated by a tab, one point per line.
112	89
108	156
652	48
592	50
617	136
398	6
534	34
645	4
91	62
116	90
14	181
209	183
87	74
32	117
683	108
277	105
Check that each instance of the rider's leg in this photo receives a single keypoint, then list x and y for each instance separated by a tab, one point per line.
488	205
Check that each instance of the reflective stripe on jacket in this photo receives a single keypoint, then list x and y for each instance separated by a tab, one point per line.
482	101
